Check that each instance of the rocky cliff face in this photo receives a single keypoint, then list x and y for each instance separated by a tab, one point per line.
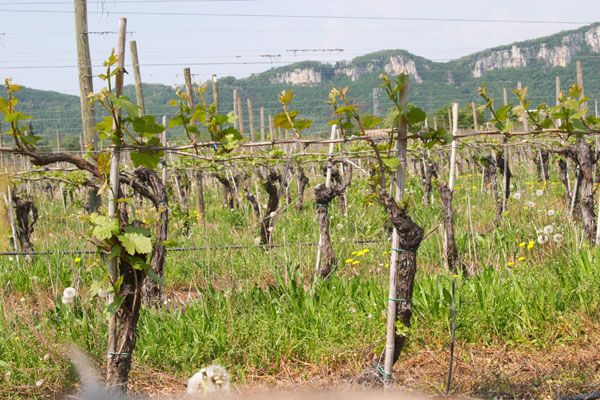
299	76
552	56
393	65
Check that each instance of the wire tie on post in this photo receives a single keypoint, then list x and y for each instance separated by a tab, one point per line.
112	353
402	250
380	369
400	300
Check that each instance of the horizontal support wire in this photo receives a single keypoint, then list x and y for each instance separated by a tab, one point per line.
184	249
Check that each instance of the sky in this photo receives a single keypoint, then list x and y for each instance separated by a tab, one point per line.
241	37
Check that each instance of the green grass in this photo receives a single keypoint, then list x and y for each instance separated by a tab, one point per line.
256	310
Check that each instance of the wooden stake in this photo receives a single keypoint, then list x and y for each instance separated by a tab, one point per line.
215	89
475	125
84	67
580	84
139	94
400	184
187	75
114	188
262	124
505	166
236	124
240	115
250	121
454	144
163	141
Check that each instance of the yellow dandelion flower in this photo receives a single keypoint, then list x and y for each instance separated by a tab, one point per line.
356	262
354	253
522	244
530	244
77	259
348	261
510	263
387	265
521	258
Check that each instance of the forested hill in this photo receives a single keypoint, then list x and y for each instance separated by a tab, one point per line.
535	63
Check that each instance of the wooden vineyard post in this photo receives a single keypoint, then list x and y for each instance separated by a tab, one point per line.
113	197
475	125
446	193
84	66
251	123
11	216
163	141
240	115
524	117
402	143
505	175
236	123
262	126
199	192
139	94
580	83
215	90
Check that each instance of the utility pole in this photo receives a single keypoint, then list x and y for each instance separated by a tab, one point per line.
84	67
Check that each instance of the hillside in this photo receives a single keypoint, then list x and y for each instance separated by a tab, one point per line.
535	63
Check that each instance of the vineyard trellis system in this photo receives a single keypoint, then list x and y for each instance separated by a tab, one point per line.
136	258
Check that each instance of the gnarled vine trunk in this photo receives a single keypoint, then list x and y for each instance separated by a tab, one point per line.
157	193
266	226
410	236
324	195
303	179
450	244
582	154
23	209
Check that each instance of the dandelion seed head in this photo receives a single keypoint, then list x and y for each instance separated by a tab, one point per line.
542	239
539	192
69	295
548	229
558	238
550	212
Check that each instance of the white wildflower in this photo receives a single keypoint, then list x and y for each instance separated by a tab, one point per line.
339	226
233	209
550	213
257	241
211	379
542	239
10	258
548	229
46	357
558	238
69	295
539	192
517	196
39	383
512	186
530	204
22	299
270	229
273	214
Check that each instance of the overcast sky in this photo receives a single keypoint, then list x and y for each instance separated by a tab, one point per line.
37	40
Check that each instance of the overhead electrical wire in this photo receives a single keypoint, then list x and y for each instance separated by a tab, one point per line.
300	16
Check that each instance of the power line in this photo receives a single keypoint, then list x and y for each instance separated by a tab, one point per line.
298	16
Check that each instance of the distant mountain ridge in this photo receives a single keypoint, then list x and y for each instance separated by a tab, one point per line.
535	63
